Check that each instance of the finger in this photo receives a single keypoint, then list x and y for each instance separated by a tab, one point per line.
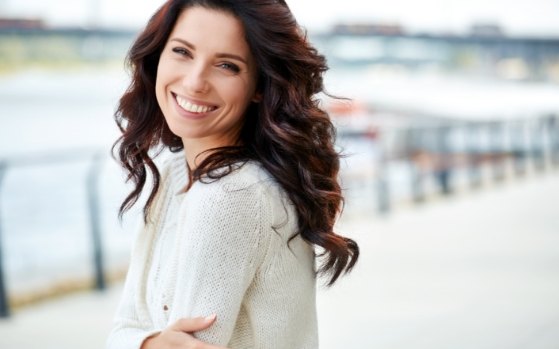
193	324
202	345
188	340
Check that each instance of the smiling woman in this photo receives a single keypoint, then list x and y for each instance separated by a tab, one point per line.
204	86
235	215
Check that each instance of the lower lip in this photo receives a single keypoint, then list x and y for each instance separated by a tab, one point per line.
189	115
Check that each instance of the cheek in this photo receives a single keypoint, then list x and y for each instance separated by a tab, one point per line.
240	94
160	87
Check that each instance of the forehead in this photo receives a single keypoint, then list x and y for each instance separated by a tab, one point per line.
211	30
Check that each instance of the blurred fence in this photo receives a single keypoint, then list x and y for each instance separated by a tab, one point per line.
414	163
94	158
409	164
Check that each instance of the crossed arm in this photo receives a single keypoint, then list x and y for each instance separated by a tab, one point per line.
222	243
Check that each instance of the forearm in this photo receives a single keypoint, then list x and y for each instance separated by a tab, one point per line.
129	337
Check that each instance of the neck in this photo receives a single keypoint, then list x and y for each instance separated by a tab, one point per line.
195	148
191	152
195	153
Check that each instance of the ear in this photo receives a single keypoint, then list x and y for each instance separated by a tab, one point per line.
257	98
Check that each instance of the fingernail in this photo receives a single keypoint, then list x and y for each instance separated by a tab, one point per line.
210	318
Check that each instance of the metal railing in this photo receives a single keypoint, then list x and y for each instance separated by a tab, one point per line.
438	150
95	158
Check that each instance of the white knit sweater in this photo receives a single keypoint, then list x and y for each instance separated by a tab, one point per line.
221	248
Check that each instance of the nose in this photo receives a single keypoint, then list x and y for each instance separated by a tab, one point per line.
195	80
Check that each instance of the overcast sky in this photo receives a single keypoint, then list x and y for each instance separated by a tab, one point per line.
532	17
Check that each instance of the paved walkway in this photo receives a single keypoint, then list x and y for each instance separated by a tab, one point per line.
477	271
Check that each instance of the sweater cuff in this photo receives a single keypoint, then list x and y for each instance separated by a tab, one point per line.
145	335
130	338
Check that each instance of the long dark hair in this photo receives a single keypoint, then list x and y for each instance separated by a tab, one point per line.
287	131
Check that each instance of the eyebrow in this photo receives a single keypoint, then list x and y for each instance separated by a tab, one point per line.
219	55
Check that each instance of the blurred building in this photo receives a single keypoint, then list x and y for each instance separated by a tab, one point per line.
31	41
486	50
20	23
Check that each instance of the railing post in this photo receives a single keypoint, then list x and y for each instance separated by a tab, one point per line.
537	143
94	220
415	154
4	302
383	190
443	168
474	154
554	139
520	148
383	193
497	150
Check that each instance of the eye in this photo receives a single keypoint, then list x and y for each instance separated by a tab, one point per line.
182	51
230	66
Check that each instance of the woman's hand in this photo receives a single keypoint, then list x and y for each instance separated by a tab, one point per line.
179	335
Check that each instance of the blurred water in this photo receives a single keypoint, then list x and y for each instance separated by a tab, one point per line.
44	217
43	111
459	97
44	213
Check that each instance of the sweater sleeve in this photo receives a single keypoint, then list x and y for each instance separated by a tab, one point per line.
224	237
129	330
131	324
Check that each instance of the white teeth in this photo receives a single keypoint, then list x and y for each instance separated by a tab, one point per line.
193	108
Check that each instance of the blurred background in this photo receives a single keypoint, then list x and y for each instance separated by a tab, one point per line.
450	132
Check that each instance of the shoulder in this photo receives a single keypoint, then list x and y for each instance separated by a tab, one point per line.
170	161
173	171
247	204
235	206
249	186
248	178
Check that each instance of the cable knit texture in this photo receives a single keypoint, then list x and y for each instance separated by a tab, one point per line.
220	248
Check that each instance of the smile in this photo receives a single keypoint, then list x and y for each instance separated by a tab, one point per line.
193	108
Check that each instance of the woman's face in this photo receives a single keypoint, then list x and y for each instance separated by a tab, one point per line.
206	78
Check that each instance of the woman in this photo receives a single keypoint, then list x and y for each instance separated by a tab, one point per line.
227	253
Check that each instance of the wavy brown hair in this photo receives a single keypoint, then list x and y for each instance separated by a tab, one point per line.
287	132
